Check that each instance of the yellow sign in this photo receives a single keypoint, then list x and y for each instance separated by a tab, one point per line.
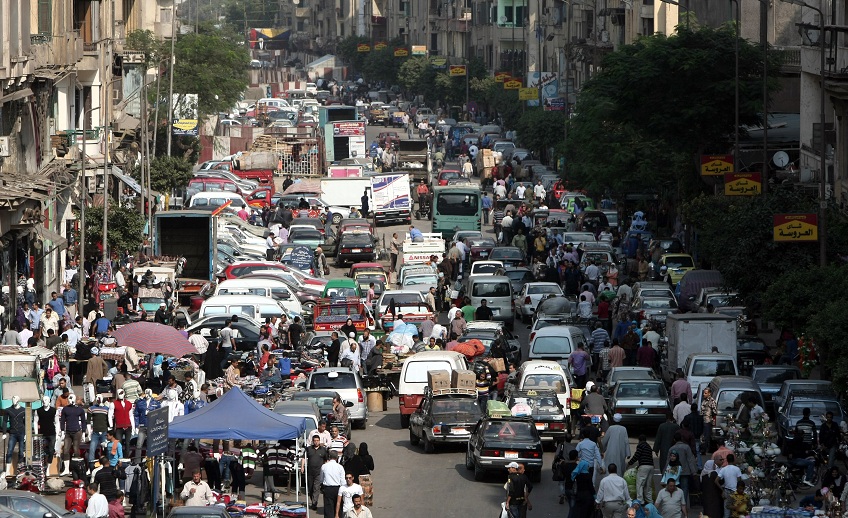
380	45
796	227
363	47
401	52
743	184
512	84
528	94
419	50
457	70
716	165
501	77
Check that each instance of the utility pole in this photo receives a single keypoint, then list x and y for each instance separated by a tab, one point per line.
764	8
171	74
83	195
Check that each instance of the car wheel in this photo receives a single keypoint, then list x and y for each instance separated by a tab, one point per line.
429	447
479	474
536	476
360	423
469	461
413	439
404	420
337	218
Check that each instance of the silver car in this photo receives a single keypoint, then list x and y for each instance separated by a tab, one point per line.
348	384
529	297
640	402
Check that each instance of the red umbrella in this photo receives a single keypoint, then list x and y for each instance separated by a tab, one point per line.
150	337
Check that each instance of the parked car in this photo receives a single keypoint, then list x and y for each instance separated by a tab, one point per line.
750	351
496	441
546	410
617	374
246	331
653	308
355	248
726	390
444	416
518	275
819	404
790	387
31	505
771	377
494	334
508	255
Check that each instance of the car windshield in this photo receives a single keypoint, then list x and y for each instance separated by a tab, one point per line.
490	289
519	275
334	293
654	293
480	241
339	380
416	372
507	253
556	306
401	299
449	175
456	406
679	262
306	234
721	301
559	345
544	405
629	374
659	303
775	376
751	345
727	399
817	408
544	289
543	381
713	368
457	204
484	268
592	257
322	402
421	279
511	431
641	390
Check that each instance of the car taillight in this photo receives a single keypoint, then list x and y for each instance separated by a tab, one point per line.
345	250
527	300
556	426
366	249
437	429
402	400
491	453
532	335
568	402
624	410
534	454
359	396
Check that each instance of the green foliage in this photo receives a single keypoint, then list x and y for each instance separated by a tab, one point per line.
212	65
347	50
183	146
505	103
125	228
657	104
167	173
145	41
541	130
241	15
416	75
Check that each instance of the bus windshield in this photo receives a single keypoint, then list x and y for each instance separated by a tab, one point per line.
457	204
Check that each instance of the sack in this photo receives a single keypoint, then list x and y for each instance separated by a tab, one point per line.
326	270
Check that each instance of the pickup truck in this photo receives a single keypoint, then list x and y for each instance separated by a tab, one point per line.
420	252
378	116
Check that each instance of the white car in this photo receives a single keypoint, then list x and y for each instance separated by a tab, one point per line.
528	298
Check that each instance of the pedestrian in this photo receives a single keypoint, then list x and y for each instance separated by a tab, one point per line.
598	338
695	424
484	312
681	409
688	466
197	491
332	479
665	438
98	506
604	361
728	480
616	444
588	451
518	488
711	493
671	502
646	355
359	510
709	409
486	205
644	459
584	491
394	250
580	363
344	502
739	502
613	494
681	386
616	355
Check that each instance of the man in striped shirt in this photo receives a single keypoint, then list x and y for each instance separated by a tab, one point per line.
644	457
337	441
599	336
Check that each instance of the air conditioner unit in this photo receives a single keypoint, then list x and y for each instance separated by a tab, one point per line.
4	147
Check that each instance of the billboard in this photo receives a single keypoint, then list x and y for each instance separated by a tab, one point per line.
743	184
549	82
349	129
185	115
457	70
716	165
796	227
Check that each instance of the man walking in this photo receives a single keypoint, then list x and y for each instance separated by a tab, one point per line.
645	459
616	444
613	494
486	204
332	478
316	456
518	492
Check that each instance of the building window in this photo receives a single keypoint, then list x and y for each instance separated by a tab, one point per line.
165	15
45	17
82	19
647	26
434	43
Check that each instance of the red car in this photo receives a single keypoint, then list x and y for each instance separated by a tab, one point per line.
263	197
479	248
242	268
446	175
386	137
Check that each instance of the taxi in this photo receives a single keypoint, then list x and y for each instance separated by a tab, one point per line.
330	314
677	265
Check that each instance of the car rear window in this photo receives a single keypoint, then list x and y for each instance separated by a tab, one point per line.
401	298
727	398
507	253
490	289
416	372
478	269
659	303
543	381
248	310
641	390
322	380
455	406
540	290
508	430
356	240
713	368
558	345
775	377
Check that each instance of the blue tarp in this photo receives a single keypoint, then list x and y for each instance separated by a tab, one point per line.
235	415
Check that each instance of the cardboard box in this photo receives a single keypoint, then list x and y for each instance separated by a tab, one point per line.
498	364
463	379
438	379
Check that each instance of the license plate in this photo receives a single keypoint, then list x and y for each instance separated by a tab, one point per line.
511	455
641	411
596	419
459	431
356	250
484	254
541	426
496	311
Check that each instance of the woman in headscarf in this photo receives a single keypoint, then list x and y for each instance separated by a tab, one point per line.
584	501
711	494
355	464
644	510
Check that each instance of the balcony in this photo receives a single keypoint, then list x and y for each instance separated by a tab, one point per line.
56	50
459	25
790	59
646	11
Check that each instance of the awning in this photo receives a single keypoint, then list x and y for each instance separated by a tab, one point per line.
14	96
132	184
57	240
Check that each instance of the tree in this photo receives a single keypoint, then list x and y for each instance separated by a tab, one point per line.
348	50
125	228
416	74
145	41
186	147
656	104
167	173
540	130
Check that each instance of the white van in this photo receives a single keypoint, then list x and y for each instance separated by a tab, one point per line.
273	102
277	290
257	308
556	343
497	290
205	200
545	375
413	377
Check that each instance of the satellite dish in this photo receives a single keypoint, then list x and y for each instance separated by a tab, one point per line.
780	159
503	20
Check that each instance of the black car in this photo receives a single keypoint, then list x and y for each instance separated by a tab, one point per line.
497	441
15	504
355	248
246	336
546	411
493	335
444	416
508	255
750	351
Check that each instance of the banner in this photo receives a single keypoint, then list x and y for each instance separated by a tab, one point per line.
349	129
185	115
363	47
555	104
549	83
457	70
401	52
512	84
528	94
796	227
419	50
743	184
439	62
380	45
716	165
502	77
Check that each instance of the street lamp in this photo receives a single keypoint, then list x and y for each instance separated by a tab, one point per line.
822	142
685	8
736	90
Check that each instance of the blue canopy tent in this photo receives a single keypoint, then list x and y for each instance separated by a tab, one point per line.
235	415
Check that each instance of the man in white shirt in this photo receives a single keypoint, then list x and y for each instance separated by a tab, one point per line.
345	500
451	315
467	169
322	433
728	478
519	191
350	351
613	494
25	334
652	336
439	331
197	491
500	190
120	280
98	506
332	479
539	191
592	272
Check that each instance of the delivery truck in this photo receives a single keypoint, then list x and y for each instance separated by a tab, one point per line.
413	158
345	192
696	333
257	165
390	198
188	237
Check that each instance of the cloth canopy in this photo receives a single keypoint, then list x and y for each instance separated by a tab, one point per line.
235	415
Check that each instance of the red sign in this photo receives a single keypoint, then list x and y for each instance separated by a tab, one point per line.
349	129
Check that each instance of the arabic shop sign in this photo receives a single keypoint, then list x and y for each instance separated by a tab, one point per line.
363	47
502	77
380	45
743	184
716	165
796	227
